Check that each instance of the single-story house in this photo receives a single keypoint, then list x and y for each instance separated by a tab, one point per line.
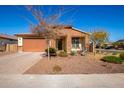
7	39
71	39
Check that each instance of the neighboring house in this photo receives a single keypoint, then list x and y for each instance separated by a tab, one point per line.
121	40
119	44
70	39
6	39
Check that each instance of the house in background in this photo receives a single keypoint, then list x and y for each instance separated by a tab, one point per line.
8	39
5	40
70	39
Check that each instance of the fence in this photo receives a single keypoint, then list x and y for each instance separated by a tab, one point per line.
11	48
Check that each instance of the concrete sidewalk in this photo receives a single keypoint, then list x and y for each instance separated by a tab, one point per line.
63	81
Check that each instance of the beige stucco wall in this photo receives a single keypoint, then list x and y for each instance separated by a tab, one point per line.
69	33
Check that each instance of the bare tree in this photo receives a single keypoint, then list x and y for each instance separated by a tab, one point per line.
48	26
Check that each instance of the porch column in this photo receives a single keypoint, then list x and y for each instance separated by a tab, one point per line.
53	43
87	42
69	44
82	42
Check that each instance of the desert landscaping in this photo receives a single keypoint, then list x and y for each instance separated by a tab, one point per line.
88	64
61	46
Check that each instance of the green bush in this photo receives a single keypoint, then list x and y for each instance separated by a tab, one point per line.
63	54
112	59
73	53
52	51
122	55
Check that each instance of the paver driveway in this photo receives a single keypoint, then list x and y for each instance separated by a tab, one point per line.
19	62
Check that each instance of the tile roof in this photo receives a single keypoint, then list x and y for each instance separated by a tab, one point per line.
8	36
70	27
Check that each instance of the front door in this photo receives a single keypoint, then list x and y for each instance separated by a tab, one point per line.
59	44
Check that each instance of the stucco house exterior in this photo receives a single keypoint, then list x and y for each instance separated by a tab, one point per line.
70	39
7	39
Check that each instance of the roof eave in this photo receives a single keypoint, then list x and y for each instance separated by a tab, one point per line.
81	31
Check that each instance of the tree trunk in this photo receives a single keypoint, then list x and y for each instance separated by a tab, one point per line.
100	49
48	46
94	51
94	48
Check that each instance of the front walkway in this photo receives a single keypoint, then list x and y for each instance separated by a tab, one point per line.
18	63
63	81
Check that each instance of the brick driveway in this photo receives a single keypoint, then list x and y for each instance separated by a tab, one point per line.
19	62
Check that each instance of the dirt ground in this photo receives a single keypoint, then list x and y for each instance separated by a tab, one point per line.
88	64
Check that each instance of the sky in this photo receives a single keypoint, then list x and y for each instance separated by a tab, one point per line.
86	18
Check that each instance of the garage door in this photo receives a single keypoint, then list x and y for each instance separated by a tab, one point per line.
34	45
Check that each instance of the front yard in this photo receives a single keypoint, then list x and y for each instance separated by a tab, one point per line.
88	64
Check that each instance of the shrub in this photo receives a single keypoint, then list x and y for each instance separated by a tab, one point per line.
114	53
118	45
73	53
63	54
65	50
112	59
57	68
52	51
122	55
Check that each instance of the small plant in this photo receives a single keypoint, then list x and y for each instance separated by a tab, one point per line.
114	53
52	51
63	54
112	59
65	50
73	53
122	55
57	68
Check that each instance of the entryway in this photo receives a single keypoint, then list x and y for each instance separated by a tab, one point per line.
60	44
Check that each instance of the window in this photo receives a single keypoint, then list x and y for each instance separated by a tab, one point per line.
75	42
